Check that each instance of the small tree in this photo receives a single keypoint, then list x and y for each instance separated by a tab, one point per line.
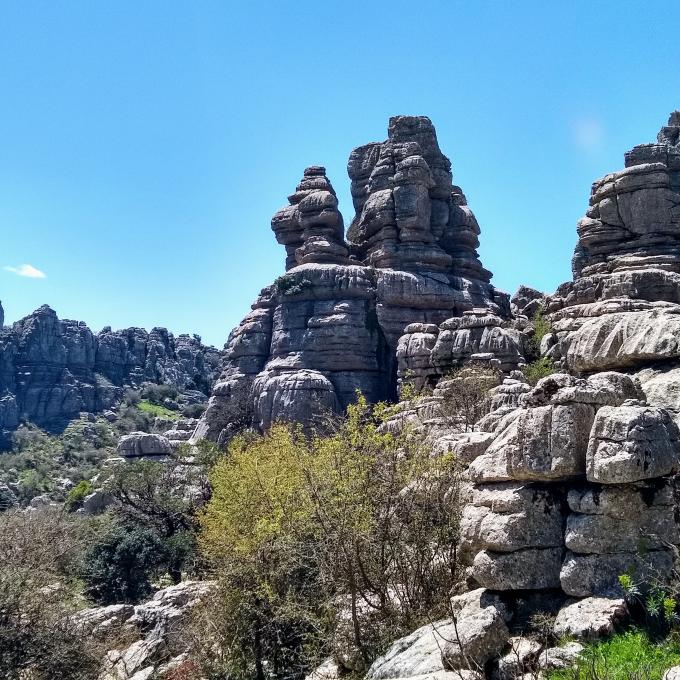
119	564
163	498
465	395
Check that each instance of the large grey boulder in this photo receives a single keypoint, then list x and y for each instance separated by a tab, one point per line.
416	655
509	517
615	519
595	574
526	569
591	618
143	445
631	443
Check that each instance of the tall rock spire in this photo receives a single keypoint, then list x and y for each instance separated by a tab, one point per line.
311	226
409	215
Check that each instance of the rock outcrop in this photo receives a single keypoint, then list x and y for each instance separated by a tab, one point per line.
331	325
621	310
52	369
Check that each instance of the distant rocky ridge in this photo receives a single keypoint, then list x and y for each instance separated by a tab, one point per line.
52	369
332	324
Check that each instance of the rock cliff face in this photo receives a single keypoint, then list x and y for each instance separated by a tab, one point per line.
52	369
332	323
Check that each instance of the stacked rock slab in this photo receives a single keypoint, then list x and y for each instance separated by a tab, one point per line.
331	324
576	488
426	352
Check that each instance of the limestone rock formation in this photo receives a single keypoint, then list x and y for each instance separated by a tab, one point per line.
621	309
569	483
331	325
52	369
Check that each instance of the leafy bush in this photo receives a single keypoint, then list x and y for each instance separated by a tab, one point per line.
310	537
291	284
630	656
541	328
157	394
194	410
163	498
119	565
76	496
538	369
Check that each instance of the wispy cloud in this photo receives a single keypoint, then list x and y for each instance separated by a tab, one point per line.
27	270
588	133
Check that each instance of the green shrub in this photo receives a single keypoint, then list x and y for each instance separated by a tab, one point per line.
76	496
120	564
541	328
629	656
157	394
538	369
309	536
291	284
194	410
37	551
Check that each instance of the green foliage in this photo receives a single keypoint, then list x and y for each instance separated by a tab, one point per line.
541	368
120	563
156	410
162	498
630	656
157	394
466	396
193	410
307	535
37	458
76	496
541	328
291	284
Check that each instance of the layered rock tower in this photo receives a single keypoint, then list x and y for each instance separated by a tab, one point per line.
332	323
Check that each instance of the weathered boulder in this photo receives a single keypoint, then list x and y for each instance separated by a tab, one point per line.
526	569
591	618
143	445
594	574
509	517
631	443
417	654
481	631
613	519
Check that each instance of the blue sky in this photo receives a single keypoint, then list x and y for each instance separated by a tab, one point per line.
144	146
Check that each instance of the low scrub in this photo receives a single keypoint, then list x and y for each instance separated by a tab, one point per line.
349	537
629	656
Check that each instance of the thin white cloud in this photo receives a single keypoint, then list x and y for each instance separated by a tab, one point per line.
588	133
27	270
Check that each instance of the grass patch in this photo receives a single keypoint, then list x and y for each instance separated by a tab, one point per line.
541	368
156	411
629	656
